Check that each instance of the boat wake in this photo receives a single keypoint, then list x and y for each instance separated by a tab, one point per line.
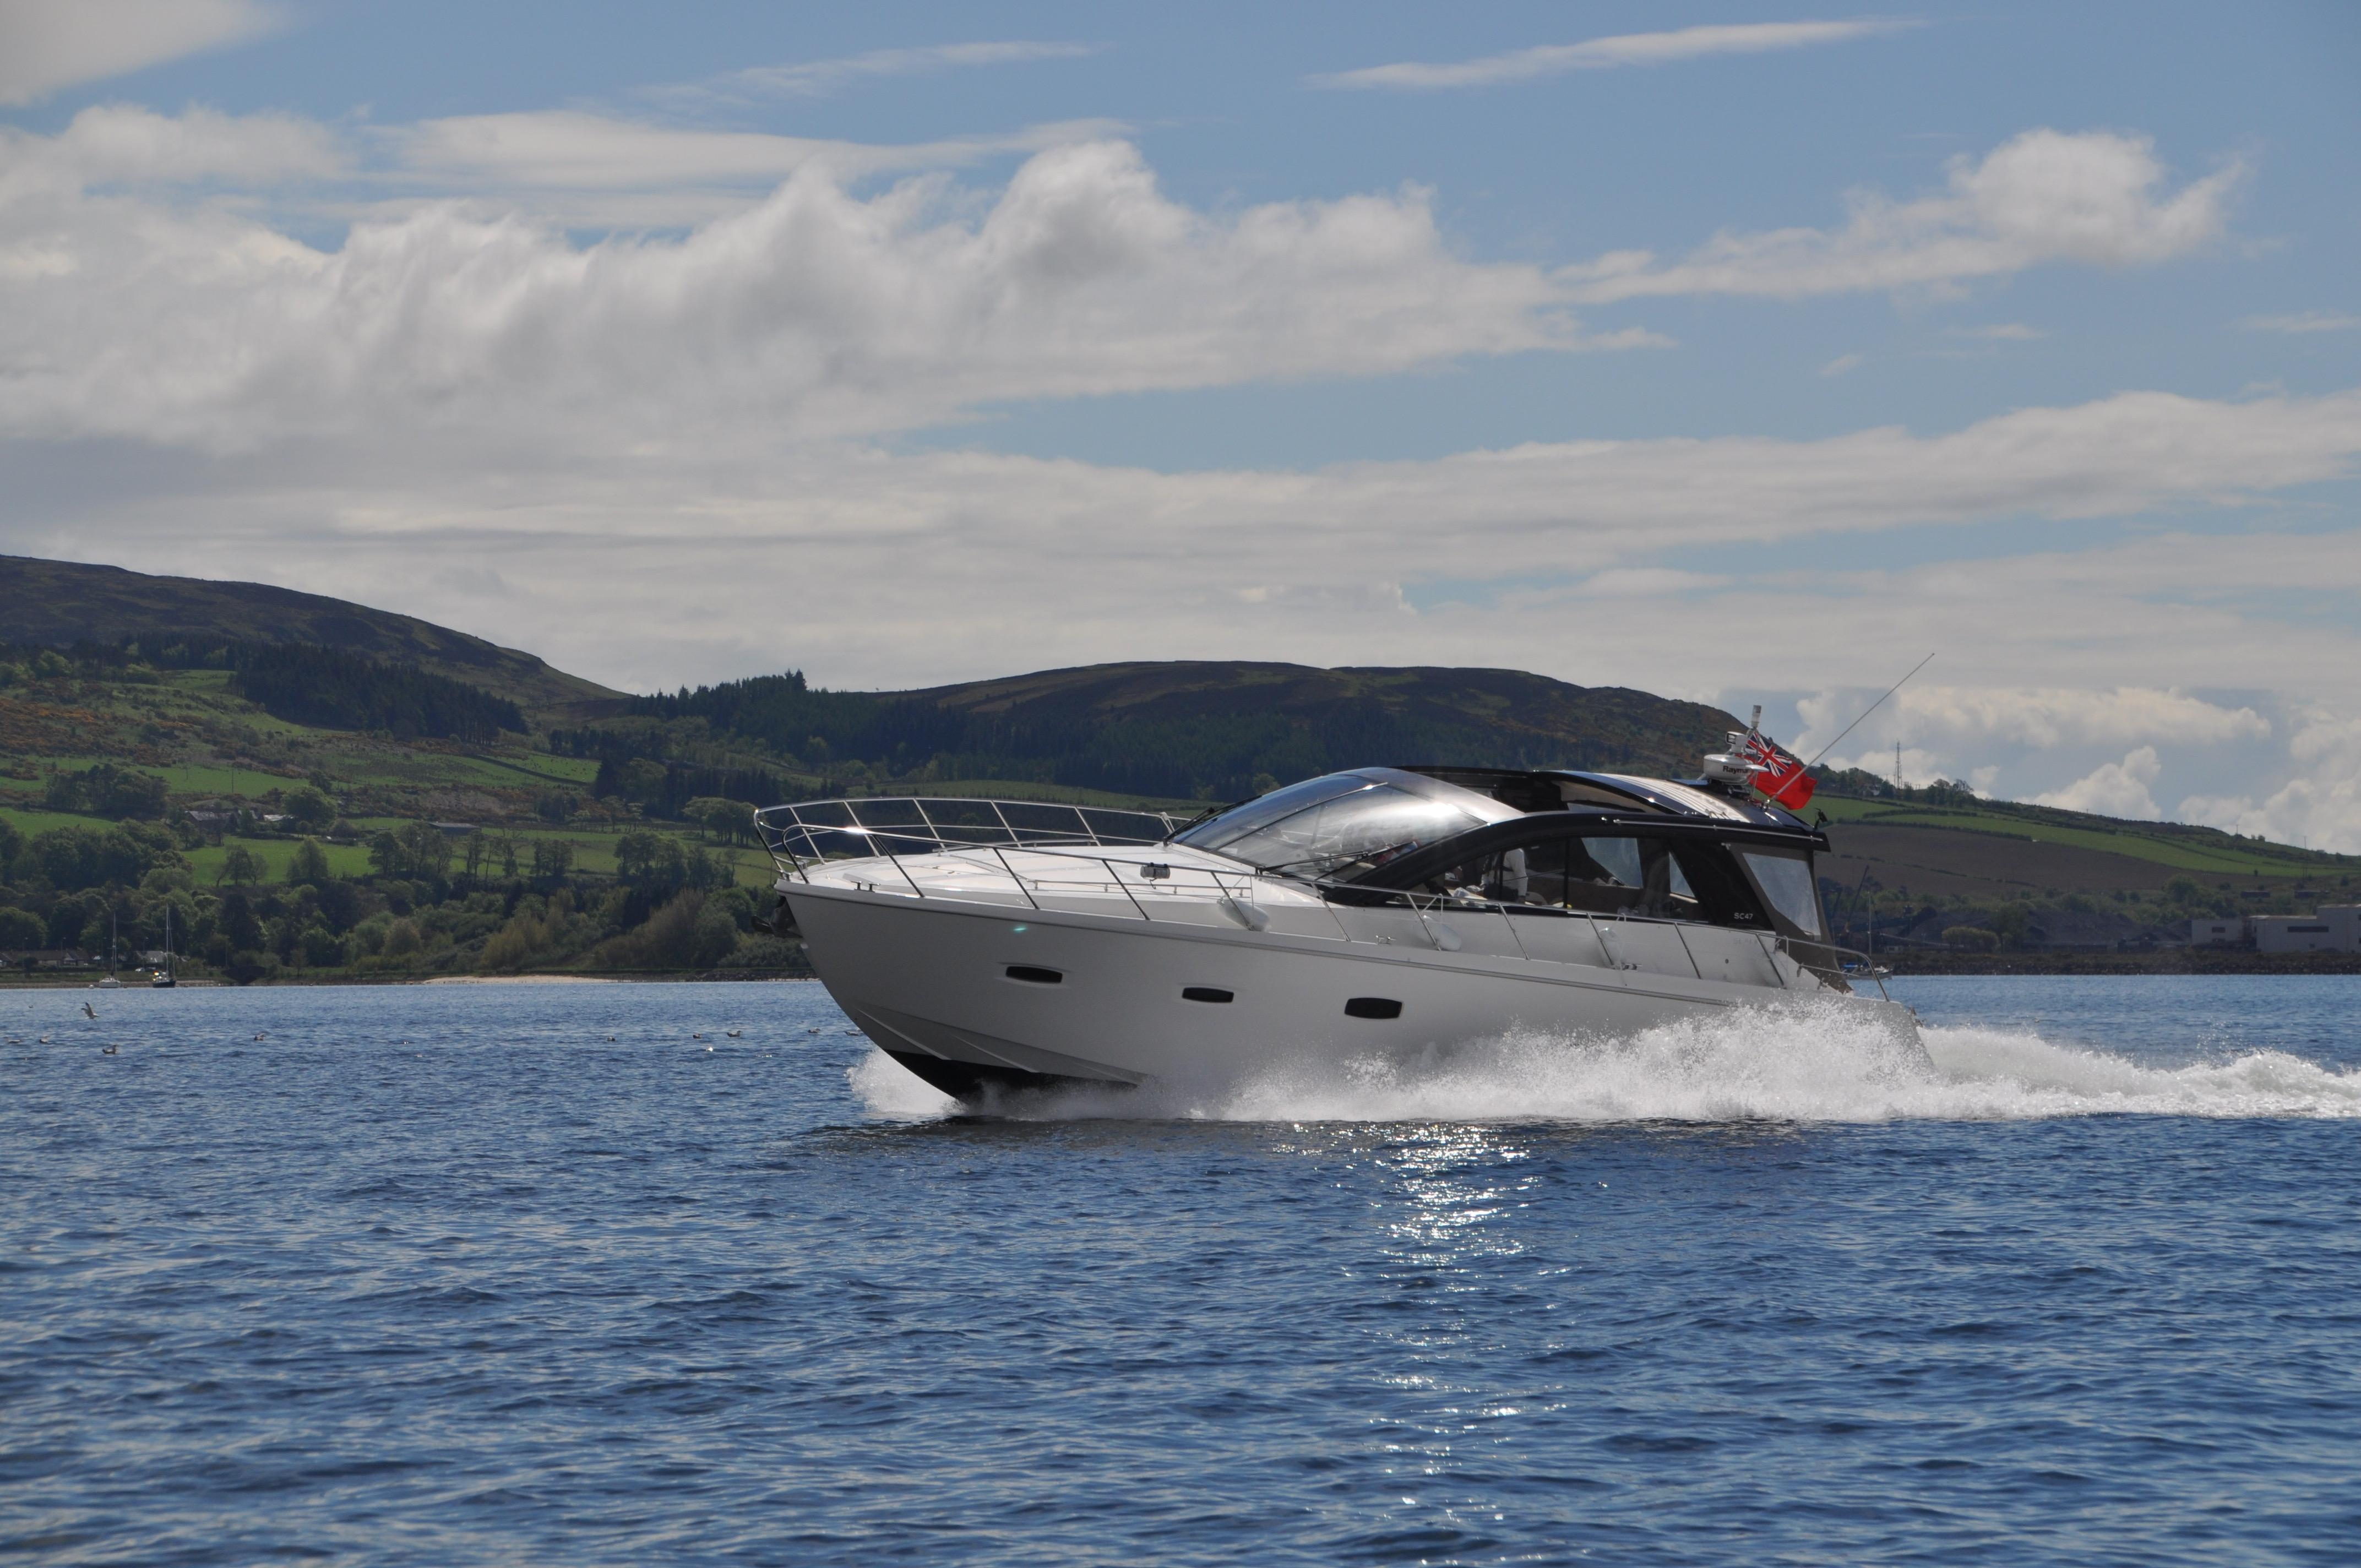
1747	1067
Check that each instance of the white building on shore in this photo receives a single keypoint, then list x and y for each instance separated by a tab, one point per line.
2210	933
2334	930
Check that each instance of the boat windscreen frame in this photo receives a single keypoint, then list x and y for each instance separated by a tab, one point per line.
1482	809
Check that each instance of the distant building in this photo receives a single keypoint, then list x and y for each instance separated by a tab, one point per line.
2336	929
2210	932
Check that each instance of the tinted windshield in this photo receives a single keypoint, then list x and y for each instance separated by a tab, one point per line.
1787	881
1334	826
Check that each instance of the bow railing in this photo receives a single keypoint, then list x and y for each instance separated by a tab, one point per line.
814	831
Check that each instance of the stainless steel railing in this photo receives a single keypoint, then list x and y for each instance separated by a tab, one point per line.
1842	965
817	830
889	827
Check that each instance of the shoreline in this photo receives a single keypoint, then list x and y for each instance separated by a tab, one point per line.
62	983
2168	961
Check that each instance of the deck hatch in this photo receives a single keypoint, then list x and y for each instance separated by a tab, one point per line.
1372	1007
1033	974
1206	993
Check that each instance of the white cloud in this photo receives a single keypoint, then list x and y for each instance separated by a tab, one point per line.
1626	582
48	44
117	145
561	165
566	150
2002	332
2304	322
1918	767
811	313
816	78
2320	806
2113	789
2043	196
2042	719
591	171
1607	53
1842	363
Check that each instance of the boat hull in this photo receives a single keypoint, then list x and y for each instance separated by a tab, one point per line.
961	994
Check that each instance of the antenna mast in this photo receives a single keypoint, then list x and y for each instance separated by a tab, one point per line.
1872	708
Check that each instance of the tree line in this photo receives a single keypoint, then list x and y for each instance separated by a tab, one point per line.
1236	750
480	903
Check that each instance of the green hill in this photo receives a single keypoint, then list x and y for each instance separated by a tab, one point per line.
58	604
1204	730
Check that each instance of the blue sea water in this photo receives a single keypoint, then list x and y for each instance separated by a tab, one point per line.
534	1274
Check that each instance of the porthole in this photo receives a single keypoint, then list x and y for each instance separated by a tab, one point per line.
1032	974
1206	993
1372	1007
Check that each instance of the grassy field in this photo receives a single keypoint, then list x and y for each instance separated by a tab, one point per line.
31	822
205	865
180	778
2200	851
594	847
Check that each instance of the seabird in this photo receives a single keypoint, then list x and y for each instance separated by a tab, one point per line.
735	1033
88	1010
106	1050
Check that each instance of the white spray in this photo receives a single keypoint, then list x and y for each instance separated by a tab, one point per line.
1752	1066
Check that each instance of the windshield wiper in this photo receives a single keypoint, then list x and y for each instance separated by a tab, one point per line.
1205	816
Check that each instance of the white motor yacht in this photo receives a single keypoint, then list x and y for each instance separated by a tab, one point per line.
990	945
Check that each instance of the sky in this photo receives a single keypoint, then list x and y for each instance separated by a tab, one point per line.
1731	353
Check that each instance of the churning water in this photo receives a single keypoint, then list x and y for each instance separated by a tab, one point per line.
536	1274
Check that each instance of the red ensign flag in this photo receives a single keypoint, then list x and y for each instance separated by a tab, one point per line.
1784	777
